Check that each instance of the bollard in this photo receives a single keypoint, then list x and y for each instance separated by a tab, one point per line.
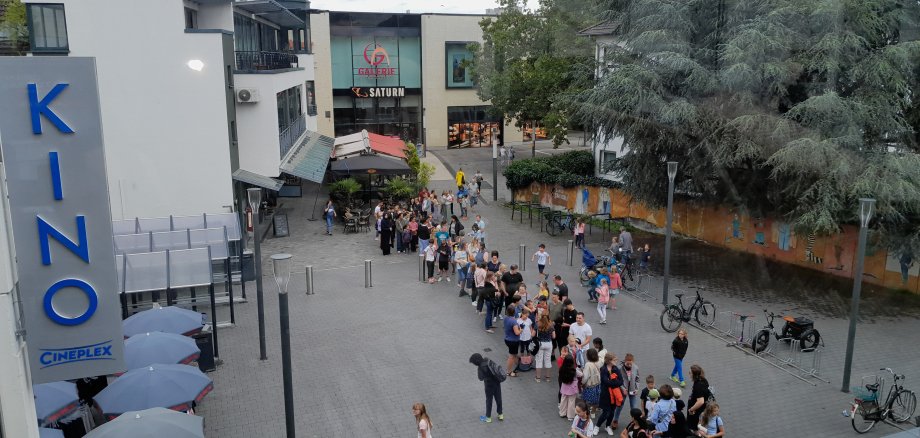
421	268
522	259
571	251
310	280
368	281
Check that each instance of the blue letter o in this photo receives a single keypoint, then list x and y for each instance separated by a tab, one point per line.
79	284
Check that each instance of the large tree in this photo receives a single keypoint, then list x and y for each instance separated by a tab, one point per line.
782	107
531	58
14	36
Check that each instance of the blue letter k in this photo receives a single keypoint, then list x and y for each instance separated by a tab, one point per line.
38	108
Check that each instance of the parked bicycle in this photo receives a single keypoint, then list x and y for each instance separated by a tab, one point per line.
799	328
673	316
899	405
556	224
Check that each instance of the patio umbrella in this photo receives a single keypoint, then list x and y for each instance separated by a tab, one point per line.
54	400
158	347
169	319
174	387
370	164
44	432
151	423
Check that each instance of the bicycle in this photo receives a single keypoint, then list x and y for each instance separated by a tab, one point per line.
795	328
555	225
704	312
866	412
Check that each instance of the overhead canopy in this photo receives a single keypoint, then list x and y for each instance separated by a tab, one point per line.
270	10
364	143
257	180
370	164
309	158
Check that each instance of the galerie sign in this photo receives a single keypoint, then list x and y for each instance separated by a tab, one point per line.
51	140
378	61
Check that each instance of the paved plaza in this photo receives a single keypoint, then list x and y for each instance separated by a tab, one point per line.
361	356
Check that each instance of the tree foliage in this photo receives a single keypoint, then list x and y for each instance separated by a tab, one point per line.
531	58
14	35
569	169
788	108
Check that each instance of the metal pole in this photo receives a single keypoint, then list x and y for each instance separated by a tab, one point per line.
667	239
421	268
229	288
865	215
260	305
495	170
533	145
213	319
368	282
286	363
310	280
522	257
571	251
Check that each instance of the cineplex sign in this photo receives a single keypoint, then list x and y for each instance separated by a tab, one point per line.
51	136
376	55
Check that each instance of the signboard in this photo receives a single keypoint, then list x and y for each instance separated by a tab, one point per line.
378	62
376	92
51	140
280	225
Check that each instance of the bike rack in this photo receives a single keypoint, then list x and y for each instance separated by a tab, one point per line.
724	323
637	291
815	368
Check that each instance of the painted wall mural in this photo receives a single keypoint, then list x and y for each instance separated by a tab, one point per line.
739	230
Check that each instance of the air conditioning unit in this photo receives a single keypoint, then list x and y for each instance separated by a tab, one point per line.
247	95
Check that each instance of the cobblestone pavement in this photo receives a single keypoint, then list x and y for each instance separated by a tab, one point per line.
363	356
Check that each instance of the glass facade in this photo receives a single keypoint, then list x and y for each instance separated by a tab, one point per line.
290	108
376	50
253	36
472	126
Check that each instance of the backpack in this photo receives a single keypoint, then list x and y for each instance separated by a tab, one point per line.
497	371
526	363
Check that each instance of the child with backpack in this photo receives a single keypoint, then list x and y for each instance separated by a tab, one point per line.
663	411
491	375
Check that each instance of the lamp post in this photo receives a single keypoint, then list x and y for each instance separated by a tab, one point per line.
672	172
281	270
494	168
866	208
533	144
255	200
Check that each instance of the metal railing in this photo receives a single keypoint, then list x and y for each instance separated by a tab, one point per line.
256	60
289	135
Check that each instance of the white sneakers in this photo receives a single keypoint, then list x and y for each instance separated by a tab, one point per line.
596	430
609	431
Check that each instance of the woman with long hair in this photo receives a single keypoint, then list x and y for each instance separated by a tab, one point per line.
699	395
422	421
611	381
638	427
546	332
712	422
568	377
591	383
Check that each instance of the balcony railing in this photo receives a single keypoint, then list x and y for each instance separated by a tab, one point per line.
290	134
265	60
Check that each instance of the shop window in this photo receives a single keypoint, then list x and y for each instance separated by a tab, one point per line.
457	58
607	160
472	126
47	28
528	132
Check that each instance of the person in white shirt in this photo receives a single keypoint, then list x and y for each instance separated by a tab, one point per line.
542	258
582	332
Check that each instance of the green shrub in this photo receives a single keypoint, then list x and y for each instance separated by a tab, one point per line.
399	189
569	169
344	189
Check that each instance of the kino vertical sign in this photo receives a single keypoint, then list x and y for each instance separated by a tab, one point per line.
51	141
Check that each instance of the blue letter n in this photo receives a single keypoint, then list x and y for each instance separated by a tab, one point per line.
37	108
45	230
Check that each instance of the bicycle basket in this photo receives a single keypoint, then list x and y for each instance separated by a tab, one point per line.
863	394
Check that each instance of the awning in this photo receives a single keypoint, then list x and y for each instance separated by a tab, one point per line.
257	180
370	164
382	144
363	143
309	158
270	10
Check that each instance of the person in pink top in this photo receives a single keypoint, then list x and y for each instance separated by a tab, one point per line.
616	283
603	297
568	388
580	233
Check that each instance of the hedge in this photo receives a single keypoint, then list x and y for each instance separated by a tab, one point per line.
569	169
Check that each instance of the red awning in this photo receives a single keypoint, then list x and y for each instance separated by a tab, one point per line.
382	144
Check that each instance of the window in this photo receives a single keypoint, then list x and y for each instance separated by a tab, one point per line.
607	160
311	98
457	64
47	28
191	18
289	107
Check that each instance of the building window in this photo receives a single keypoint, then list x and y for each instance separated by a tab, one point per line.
47	28
290	109
472	126
457	58
607	160
191	18
311	98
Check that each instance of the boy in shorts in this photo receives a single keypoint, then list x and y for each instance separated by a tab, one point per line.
542	258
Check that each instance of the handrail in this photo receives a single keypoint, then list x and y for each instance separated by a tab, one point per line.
264	60
289	135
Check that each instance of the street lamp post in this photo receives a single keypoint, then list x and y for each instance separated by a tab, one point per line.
533	144
866	207
672	172
494	169
281	270
255	200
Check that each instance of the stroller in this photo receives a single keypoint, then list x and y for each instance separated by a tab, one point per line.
590	263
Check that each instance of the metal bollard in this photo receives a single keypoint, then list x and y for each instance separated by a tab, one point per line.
571	251
368	281
421	268
522	259
310	280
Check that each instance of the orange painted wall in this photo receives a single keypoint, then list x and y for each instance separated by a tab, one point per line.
736	229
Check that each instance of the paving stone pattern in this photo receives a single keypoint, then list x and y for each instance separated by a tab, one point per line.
361	357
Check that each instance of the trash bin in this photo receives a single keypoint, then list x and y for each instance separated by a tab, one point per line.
205	343
248	268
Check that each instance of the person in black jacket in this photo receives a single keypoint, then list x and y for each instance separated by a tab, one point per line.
611	379
679	350
486	295
491	375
